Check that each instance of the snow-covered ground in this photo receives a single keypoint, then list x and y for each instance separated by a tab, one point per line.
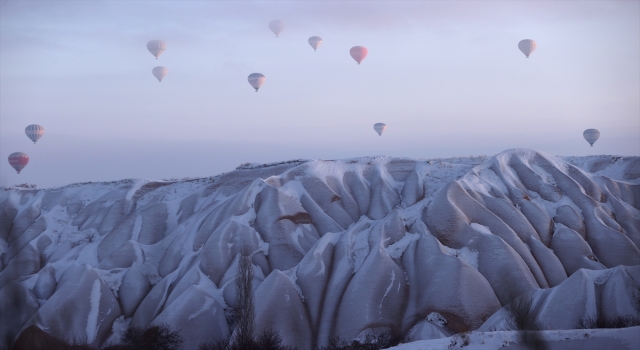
578	339
430	248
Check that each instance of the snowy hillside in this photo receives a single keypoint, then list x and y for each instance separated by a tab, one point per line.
340	248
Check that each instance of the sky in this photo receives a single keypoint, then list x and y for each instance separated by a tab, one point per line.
446	77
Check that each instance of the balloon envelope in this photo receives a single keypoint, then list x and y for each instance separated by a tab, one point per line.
527	46
156	47
276	26
160	72
380	128
591	135
256	80
358	53
18	160
315	42
34	132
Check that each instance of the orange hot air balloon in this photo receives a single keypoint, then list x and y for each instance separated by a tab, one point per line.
358	53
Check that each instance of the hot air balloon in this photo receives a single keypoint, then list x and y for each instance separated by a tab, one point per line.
256	80
160	72
34	132
315	42
276	26
156	47
18	160
358	53
527	46
380	128
591	135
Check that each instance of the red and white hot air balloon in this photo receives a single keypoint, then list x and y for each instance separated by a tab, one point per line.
358	53
34	132
18	160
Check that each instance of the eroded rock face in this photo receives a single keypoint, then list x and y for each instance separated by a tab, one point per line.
339	248
82	307
584	298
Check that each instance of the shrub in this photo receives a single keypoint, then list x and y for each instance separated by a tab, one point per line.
519	315
33	338
592	322
521	319
26	185
117	347
373	341
215	345
636	299
268	340
153	338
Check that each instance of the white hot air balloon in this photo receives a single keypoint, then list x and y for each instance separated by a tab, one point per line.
256	80
380	128
160	72
527	46
315	42
156	47
34	132
276	26
358	53
591	135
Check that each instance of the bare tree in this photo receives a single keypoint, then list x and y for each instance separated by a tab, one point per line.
244	317
245	312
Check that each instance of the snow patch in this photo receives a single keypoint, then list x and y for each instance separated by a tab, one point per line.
437	319
136	186
321	245
206	306
485	230
294	190
396	249
393	279
172	214
92	319
112	278
137	228
292	274
118	329
468	256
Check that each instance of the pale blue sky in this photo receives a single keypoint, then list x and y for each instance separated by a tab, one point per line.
446	77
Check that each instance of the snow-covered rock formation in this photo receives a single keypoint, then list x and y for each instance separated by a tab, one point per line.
611	295
340	248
